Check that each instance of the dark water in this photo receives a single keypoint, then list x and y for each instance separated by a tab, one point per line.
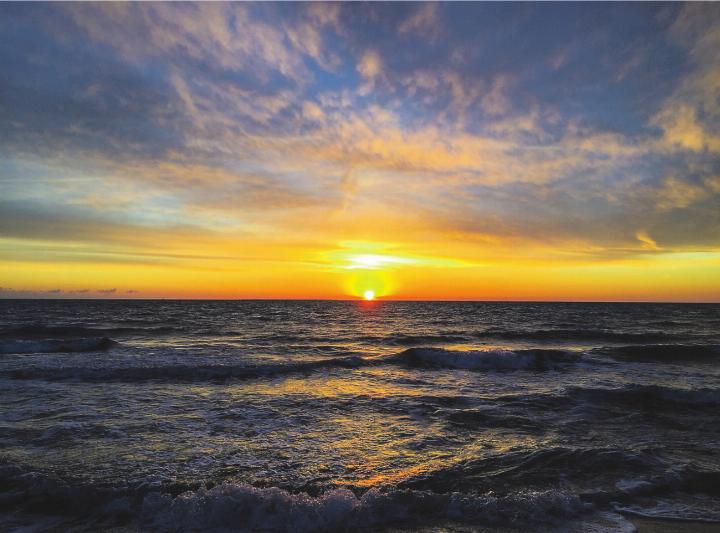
327	416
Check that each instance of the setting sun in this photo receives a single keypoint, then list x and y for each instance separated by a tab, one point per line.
369	295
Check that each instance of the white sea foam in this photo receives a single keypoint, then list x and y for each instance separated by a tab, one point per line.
246	508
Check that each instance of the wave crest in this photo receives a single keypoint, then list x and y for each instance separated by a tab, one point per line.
243	507
533	359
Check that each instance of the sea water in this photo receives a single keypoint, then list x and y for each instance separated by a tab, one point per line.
333	416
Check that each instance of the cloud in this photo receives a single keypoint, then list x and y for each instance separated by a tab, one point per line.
172	133
424	21
678	194
646	241
312	111
370	64
6	292
224	34
690	116
496	101
683	130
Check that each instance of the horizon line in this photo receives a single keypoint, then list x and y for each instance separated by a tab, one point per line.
376	300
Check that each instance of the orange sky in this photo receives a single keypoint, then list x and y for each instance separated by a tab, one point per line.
344	274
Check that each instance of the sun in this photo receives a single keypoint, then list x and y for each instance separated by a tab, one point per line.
369	295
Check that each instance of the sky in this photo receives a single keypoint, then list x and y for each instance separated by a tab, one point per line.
525	151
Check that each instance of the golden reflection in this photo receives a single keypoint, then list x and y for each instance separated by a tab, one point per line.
375	447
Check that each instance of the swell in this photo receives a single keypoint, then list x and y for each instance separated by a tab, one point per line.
427	358
398	339
414	358
28	346
541	467
180	373
597	475
632	396
667	353
647	396
41	331
577	335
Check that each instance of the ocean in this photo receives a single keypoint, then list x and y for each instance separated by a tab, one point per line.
357	416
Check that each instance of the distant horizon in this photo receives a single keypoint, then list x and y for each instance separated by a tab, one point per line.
360	300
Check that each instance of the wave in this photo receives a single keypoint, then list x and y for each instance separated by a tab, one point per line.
40	331
649	396
633	395
418	340
181	373
91	344
163	504
563	335
708	513
234	506
541	468
532	359
502	360
483	417
663	352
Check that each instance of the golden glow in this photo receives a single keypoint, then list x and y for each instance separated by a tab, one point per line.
654	276
369	295
190	266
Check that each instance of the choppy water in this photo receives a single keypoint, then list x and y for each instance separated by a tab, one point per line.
312	416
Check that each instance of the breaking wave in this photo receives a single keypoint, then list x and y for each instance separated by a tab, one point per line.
532	359
240	507
247	508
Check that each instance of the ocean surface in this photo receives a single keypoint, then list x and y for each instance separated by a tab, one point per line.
352	416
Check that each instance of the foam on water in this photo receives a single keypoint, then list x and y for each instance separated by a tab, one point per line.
242	507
